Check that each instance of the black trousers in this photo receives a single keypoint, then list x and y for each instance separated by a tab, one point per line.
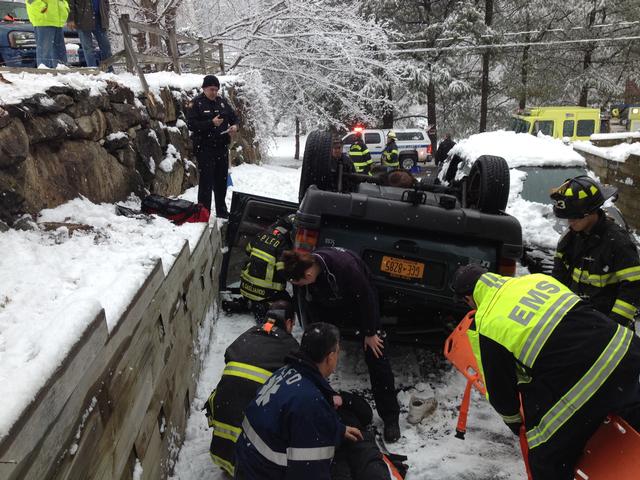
556	458
213	167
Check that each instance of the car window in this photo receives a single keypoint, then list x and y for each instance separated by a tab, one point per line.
408	136
585	128
16	10
349	139
372	138
567	128
541	180
544	126
520	126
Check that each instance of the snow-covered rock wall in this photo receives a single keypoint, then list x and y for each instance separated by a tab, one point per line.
120	400
100	138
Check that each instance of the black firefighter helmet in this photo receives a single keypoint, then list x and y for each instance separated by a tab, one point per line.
578	197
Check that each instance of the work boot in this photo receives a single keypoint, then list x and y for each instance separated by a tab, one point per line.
391	431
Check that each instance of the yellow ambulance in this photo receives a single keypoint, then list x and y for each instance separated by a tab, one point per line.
634	119
574	123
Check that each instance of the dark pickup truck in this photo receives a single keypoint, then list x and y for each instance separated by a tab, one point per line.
18	40
412	239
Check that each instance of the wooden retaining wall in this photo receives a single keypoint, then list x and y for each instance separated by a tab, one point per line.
123	397
626	177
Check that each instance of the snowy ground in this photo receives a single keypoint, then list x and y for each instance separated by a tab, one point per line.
432	449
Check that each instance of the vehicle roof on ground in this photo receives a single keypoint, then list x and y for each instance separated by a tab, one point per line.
519	149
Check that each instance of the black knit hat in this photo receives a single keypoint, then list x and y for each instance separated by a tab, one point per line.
210	81
465	278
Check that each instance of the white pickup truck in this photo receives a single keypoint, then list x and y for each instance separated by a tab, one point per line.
413	145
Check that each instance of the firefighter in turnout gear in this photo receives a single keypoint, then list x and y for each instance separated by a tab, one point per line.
596	258
262	279
249	360
538	343
390	152
360	156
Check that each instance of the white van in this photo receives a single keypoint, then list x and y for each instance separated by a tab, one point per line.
414	145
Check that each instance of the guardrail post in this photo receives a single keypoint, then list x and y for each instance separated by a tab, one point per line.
132	61
173	50
203	60
221	57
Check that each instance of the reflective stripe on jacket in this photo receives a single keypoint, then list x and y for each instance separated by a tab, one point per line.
48	13
250	359
361	158
390	155
522	329
263	276
602	268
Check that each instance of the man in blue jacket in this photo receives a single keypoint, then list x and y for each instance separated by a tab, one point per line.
291	429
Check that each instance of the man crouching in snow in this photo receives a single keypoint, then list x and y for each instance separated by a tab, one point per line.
291	429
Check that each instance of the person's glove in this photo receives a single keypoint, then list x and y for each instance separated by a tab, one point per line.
514	427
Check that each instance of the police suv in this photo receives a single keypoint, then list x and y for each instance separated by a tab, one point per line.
414	145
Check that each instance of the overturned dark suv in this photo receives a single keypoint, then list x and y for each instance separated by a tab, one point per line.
412	239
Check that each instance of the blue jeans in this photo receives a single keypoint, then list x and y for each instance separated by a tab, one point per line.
50	47
102	37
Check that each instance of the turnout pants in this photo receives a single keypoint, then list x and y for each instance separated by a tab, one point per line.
213	167
556	459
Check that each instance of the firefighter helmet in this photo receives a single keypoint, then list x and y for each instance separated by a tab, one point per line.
391	134
578	197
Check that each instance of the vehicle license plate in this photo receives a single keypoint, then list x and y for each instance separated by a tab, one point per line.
398	267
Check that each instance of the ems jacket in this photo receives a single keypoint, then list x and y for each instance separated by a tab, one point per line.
200	121
602	268
249	360
263	275
344	283
390	155
81	12
291	429
532	336
47	13
360	156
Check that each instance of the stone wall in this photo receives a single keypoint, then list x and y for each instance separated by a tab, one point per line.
625	176
67	142
122	398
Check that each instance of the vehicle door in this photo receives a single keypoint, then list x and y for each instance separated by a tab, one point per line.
249	215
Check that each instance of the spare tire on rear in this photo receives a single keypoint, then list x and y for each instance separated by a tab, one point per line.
316	162
487	186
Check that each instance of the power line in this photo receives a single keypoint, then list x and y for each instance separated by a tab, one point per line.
500	46
525	32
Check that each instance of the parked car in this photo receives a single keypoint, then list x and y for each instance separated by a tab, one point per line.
536	165
414	145
18	39
412	239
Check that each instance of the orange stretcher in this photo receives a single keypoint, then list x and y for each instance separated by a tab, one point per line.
613	452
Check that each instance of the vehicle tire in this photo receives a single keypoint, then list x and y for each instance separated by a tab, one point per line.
315	162
487	186
407	162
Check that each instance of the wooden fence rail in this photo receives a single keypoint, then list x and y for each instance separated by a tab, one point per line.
200	58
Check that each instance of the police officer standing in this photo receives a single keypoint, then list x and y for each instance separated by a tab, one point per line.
212	120
337	284
596	257
390	152
249	360
571	365
360	156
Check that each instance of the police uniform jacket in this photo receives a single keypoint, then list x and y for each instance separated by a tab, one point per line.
291	429
263	276
345	283
601	267
250	360
200	121
532	336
